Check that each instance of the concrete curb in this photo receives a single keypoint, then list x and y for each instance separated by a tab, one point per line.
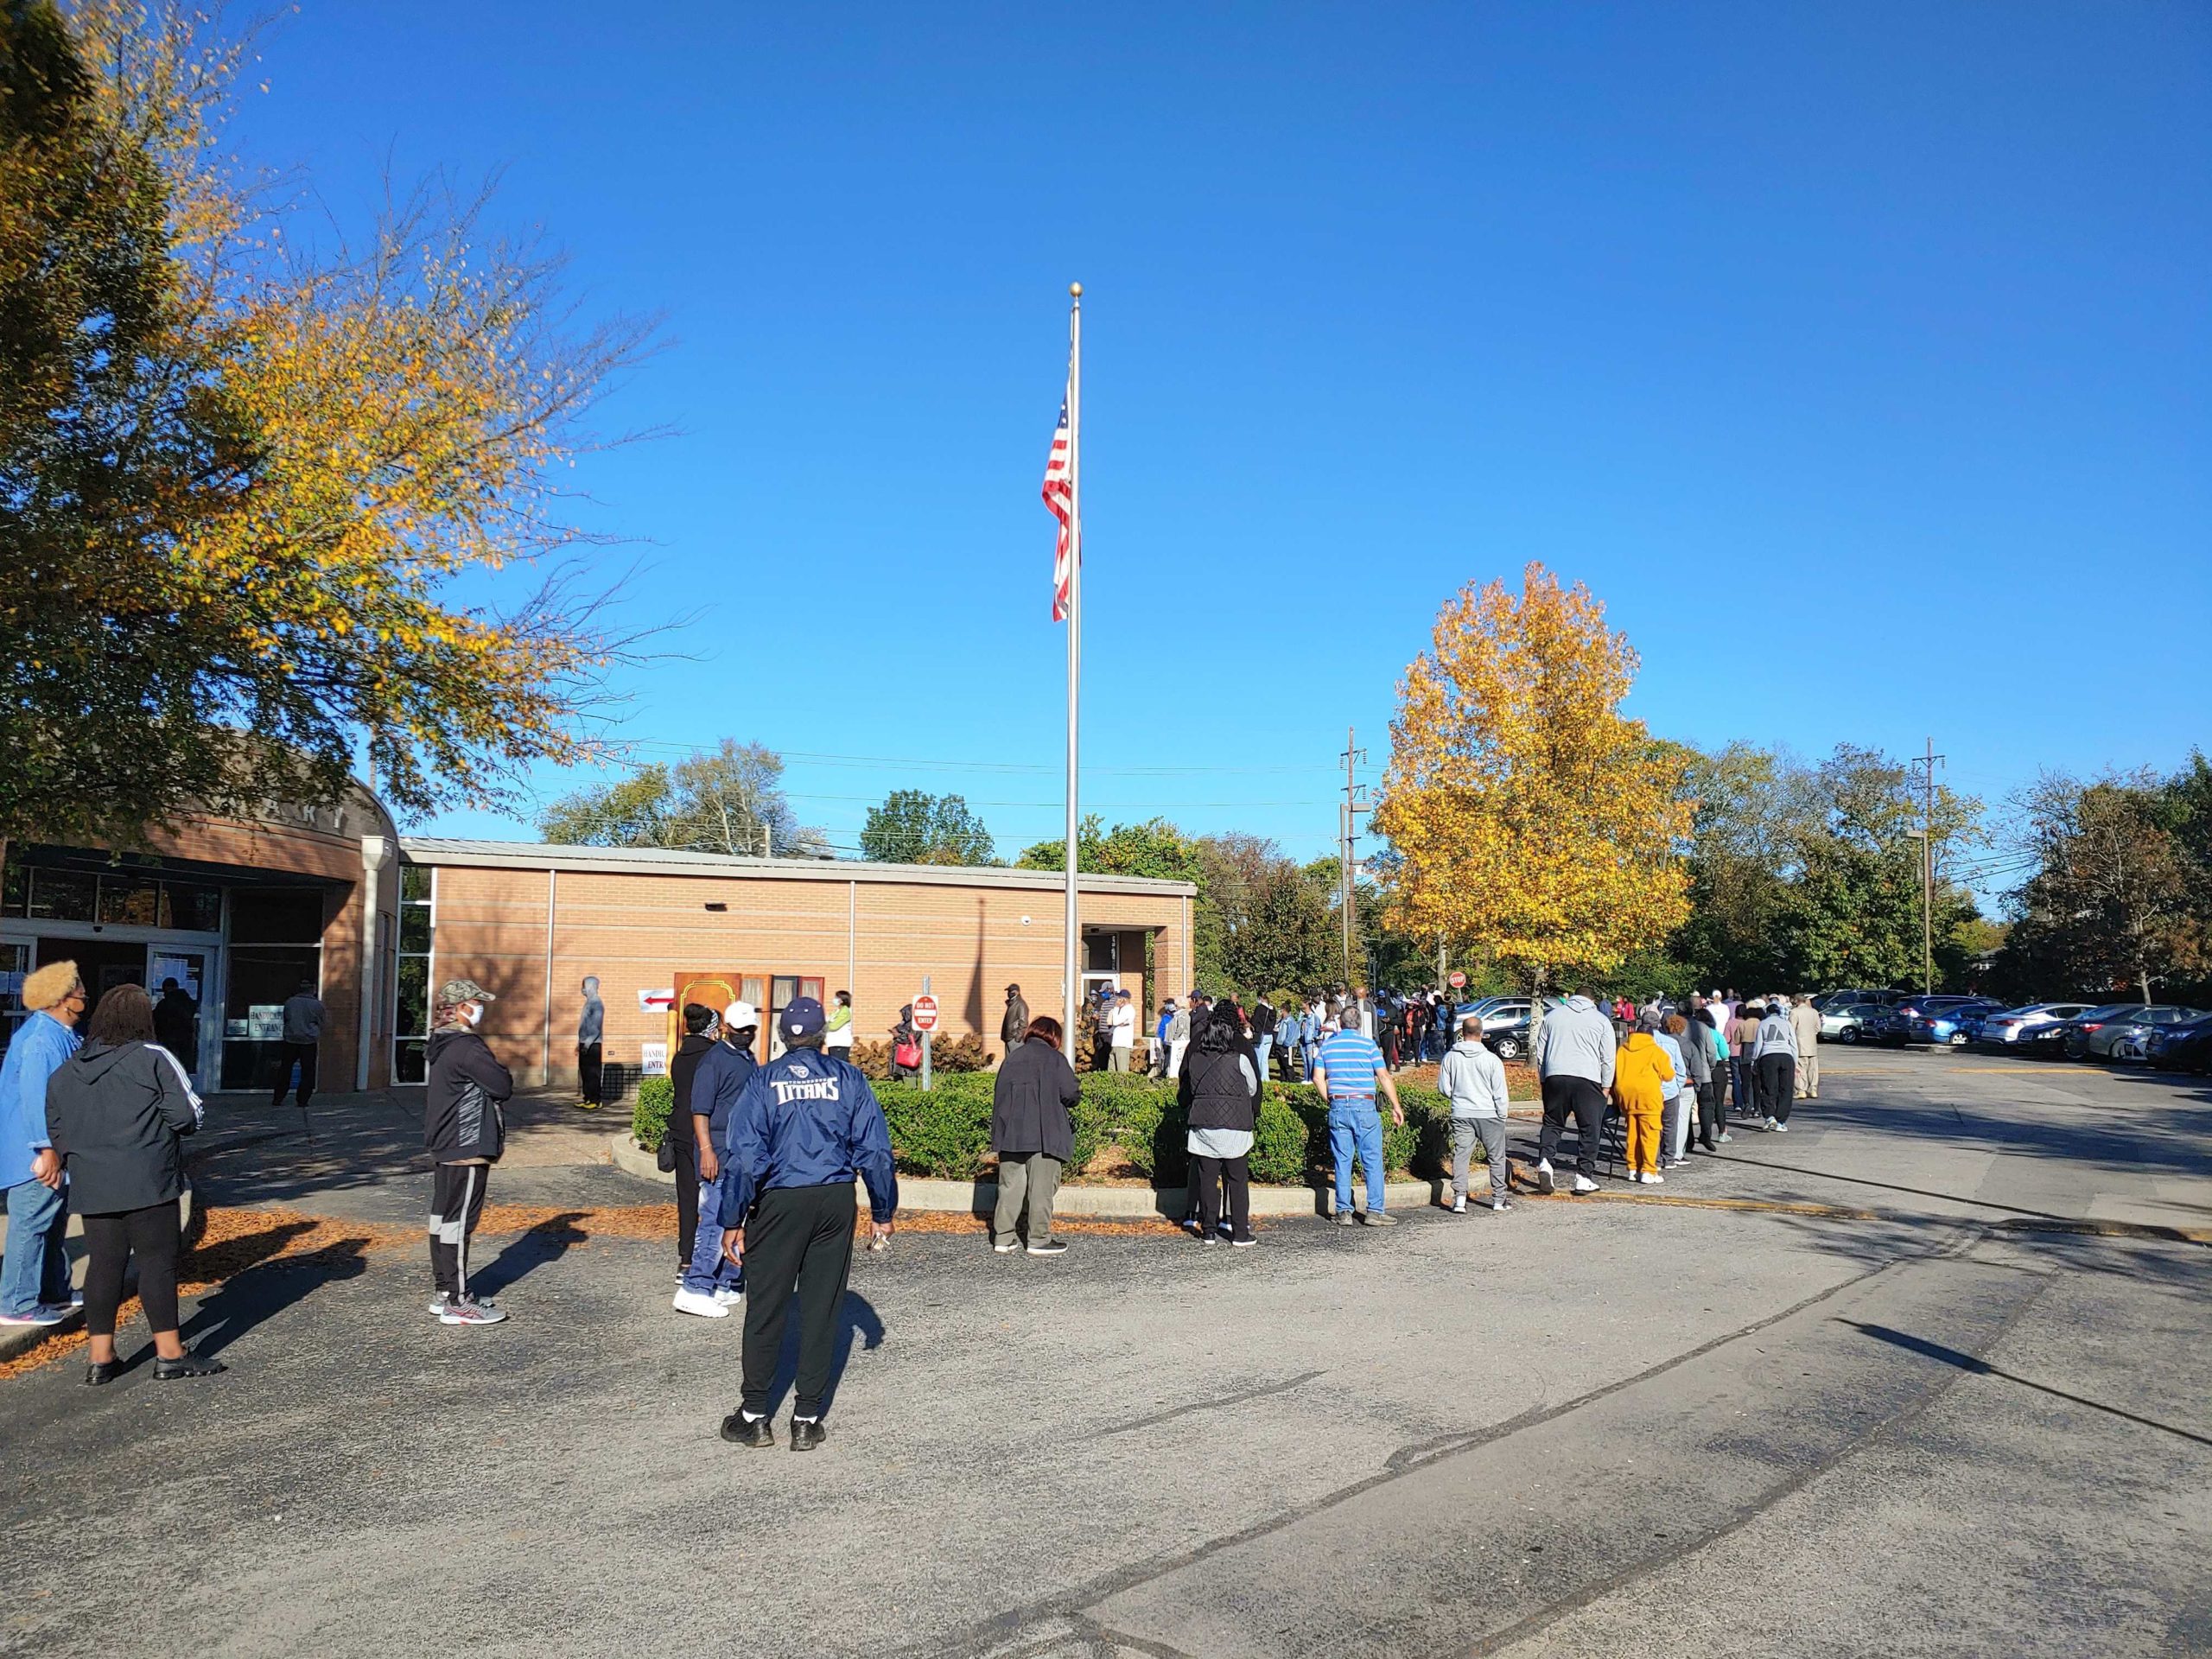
18	1339
978	1198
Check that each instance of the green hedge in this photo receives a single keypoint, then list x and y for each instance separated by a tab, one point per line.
945	1134
649	1115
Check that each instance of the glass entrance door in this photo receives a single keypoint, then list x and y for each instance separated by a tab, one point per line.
179	980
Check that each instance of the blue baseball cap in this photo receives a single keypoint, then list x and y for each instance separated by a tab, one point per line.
802	1017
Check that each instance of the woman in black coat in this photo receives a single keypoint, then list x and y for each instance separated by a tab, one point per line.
1032	1133
117	1111
1220	1095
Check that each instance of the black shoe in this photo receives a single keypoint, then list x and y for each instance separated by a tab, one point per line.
190	1364
807	1434
99	1371
756	1433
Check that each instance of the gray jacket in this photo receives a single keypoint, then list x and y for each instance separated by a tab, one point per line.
1473	1079
1577	1041
1775	1037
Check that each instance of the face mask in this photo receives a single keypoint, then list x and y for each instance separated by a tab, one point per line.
473	1014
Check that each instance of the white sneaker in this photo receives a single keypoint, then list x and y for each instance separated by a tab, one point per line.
1544	1175
1635	1177
700	1302
1501	1204
1584	1183
1725	1138
728	1295
1780	1128
1654	1179
1005	1247
469	1311
1459	1206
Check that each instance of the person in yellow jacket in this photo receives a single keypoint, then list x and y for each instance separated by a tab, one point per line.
1640	1070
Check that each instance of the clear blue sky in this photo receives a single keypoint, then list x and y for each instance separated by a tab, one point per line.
1857	356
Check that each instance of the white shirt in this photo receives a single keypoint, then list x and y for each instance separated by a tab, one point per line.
1121	1022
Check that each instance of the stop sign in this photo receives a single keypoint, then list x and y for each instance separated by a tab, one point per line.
1459	981
925	1013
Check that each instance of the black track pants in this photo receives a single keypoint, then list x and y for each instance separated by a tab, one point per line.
799	1238
153	1236
456	1204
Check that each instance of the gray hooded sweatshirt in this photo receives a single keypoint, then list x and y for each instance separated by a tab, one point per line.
1473	1080
1577	1041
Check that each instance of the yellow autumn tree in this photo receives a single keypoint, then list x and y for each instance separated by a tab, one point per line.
284	497
1526	816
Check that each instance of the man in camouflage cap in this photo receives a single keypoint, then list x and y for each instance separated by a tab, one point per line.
463	1131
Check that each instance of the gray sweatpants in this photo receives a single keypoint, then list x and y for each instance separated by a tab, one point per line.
1491	1132
1035	1178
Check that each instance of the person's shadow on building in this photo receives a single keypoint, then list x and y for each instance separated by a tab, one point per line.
855	1317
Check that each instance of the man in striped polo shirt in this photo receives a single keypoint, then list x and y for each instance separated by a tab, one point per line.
1350	1067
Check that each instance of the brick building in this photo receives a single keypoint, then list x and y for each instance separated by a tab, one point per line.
239	911
528	922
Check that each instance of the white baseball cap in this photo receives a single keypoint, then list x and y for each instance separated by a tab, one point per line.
738	1015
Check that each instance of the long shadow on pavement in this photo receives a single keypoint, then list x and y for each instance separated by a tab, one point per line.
258	1293
854	1317
548	1242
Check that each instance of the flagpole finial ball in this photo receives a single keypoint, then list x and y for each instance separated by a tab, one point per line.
1075	291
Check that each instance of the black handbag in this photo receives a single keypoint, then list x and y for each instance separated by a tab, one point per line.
667	1157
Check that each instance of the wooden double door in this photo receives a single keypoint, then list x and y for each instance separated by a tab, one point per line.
771	992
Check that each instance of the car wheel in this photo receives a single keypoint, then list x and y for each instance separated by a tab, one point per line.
1958	1040
1507	1048
1848	1035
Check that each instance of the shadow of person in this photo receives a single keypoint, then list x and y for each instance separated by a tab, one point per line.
549	1241
259	1294
854	1317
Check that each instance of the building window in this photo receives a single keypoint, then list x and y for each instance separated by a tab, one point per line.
418	927
276	937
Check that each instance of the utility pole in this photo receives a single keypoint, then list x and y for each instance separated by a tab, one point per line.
1348	831
1927	764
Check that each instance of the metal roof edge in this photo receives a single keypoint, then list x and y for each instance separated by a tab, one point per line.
653	860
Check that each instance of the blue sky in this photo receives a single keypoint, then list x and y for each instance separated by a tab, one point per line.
1857	357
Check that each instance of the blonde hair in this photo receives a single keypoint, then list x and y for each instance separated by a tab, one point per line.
51	984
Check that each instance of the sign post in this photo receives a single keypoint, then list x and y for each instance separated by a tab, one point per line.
925	1022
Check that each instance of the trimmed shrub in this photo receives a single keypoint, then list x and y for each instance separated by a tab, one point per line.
1282	1144
649	1115
967	1053
944	1132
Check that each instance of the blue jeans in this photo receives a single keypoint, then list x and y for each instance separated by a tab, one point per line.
1261	1048
1312	1050
1355	1128
37	1268
709	1269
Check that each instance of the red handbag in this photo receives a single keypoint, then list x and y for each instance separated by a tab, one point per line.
907	1055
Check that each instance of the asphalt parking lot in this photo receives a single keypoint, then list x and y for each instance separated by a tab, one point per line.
1931	1374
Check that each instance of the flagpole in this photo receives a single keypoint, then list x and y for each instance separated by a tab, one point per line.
1072	940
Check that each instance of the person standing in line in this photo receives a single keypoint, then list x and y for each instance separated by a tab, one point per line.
1777	1053
591	1035
464	1134
711	1284
1265	1021
1350	1071
1574	1059
1805	1027
119	1109
1473	1080
1641	1074
1312	1029
1289	1034
1032	1131
1014	1024
1743	1046
703	1030
1220	1096
837	1035
1121	1031
805	1125
1665	1029
1705	1033
1155	1064
906	1044
177	1025
1179	1035
1389	1034
303	1033
34	1277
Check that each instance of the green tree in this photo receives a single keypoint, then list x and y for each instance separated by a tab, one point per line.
914	827
1154	848
727	799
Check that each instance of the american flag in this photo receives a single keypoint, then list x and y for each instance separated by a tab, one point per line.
1059	498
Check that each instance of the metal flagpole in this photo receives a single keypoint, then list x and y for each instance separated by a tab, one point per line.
1072	943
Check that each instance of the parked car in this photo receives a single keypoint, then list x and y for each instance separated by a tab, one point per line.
1886	1026
2007	1026
1941	1020
2068	1038
2127	1038
2184	1047
1508	1041
1827	1000
1842	1023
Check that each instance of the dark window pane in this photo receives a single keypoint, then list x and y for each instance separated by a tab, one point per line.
186	904
125	898
14	889
414	1012
415	882
415	928
275	915
408	1062
62	895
